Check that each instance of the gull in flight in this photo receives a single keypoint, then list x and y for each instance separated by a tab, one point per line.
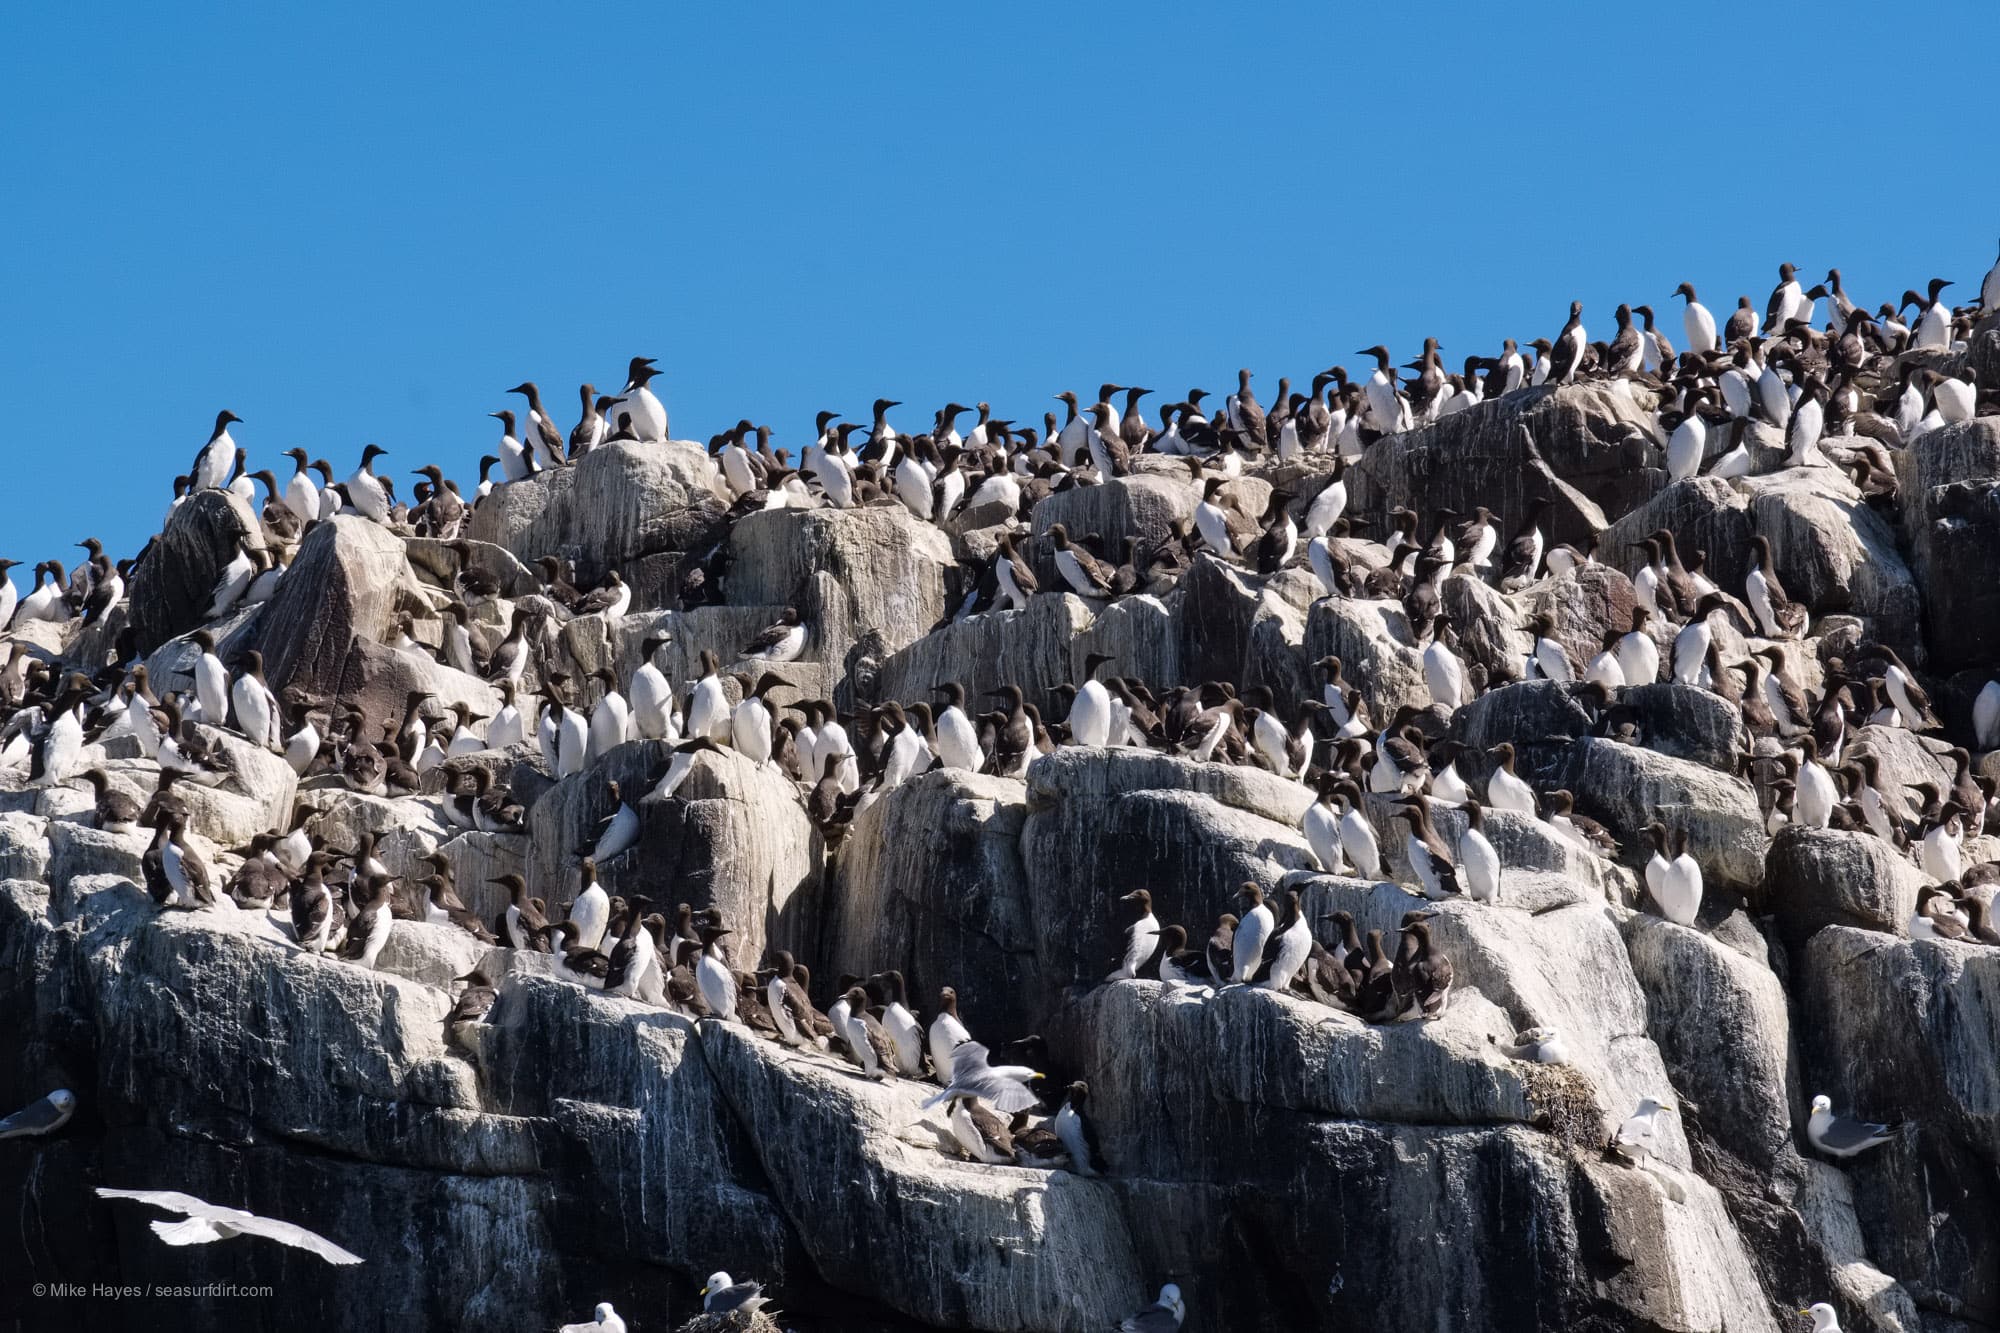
207	1221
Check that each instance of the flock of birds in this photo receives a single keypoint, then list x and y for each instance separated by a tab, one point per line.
1843	395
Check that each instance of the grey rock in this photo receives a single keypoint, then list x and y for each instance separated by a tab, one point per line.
1594	454
735	837
173	587
1833	552
930	881
1037	648
437	564
867	582
1721	1023
1143	506
348	581
1539	718
1627	788
1103	822
615	504
1816	878
1244	627
1010	1247
1951	512
1376	649
1903	1031
1585	602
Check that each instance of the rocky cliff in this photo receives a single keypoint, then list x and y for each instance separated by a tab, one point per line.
1288	1163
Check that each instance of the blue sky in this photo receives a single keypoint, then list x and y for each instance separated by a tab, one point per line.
362	226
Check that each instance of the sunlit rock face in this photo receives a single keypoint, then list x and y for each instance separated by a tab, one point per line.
1287	1163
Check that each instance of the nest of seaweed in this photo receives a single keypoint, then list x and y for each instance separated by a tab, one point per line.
1564	1104
733	1321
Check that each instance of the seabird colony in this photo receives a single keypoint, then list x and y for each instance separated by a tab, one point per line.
1834	380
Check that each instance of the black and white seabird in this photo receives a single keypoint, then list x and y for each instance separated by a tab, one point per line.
711	973
905	1033
868	1042
1478	860
1252	934
1505	789
1142	936
1537	1045
981	1135
779	642
575	962
947	1033
637	402
472	1003
541	434
613	833
1421	977
369	929
590	913
114	810
1566	353
1673	881
1289	946
634	956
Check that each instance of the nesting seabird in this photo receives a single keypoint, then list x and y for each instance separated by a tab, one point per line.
205	1222
182	871
115	811
722	1294
1844	1136
43	1116
1537	1045
575	962
612	834
1162	1316
1505	789
313	925
680	763
521	923
905	1033
473	1002
982	1135
603	1320
780	642
634	955
1220	952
